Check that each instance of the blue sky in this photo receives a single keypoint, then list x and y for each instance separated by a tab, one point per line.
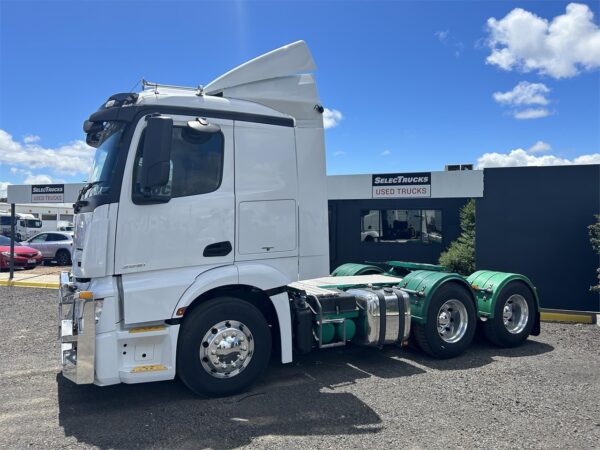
414	81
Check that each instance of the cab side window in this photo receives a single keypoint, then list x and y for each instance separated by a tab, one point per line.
196	164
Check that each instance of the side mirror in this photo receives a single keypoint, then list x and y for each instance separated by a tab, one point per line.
156	161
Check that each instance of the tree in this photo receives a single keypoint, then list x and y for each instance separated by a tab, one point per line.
460	256
595	240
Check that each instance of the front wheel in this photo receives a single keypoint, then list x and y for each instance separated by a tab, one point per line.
224	346
451	322
514	316
63	258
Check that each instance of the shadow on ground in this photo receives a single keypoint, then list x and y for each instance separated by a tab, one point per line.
305	398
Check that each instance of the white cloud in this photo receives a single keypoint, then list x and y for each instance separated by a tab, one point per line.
450	41
442	35
524	93
30	139
531	113
560	47
331	118
539	147
3	186
339	153
386	153
38	179
520	157
72	158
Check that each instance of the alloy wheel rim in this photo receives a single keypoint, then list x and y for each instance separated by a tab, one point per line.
226	349
452	321
515	314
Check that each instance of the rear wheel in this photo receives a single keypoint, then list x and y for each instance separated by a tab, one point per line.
451	322
224	346
63	258
514	316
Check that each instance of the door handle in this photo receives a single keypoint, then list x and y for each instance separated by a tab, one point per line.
217	249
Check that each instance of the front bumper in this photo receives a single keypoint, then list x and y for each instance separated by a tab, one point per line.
77	332
20	261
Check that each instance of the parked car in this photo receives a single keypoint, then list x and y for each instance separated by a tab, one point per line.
25	257
54	245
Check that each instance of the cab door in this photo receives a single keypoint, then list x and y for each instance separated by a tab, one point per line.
39	243
194	229
162	247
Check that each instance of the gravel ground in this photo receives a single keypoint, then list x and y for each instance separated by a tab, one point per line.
544	394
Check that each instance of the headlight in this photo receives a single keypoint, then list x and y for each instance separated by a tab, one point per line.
38	253
5	254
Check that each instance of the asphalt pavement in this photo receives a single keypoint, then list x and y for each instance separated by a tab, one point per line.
544	394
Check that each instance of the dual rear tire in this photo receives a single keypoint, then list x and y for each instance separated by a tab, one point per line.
450	323
452	319
514	316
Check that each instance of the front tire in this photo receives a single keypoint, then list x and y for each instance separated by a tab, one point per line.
63	258
451	322
224	346
514	316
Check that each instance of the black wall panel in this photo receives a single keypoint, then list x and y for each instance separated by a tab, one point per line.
533	220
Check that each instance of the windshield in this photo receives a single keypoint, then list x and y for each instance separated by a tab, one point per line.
105	158
5	220
32	223
5	241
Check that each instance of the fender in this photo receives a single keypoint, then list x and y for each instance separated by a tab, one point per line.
422	284
488	286
351	269
260	276
266	277
210	279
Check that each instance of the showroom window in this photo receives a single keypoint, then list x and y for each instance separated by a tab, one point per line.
401	225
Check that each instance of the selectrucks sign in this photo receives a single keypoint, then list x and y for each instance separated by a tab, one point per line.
402	185
48	193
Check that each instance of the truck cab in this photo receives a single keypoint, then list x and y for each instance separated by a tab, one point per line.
196	192
26	225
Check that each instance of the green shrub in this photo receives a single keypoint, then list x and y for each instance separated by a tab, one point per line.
460	256
595	240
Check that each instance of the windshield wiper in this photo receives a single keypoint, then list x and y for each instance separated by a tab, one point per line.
79	202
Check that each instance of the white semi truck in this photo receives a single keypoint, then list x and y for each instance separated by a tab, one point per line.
26	225
201	244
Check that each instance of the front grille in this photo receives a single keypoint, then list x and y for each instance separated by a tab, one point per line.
26	255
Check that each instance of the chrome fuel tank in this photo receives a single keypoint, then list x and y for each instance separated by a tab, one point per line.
386	316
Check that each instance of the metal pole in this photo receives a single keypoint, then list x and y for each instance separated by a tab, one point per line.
12	241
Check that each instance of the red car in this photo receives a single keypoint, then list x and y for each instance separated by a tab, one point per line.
25	257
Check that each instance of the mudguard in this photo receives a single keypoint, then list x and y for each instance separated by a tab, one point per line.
488	285
422	284
351	269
